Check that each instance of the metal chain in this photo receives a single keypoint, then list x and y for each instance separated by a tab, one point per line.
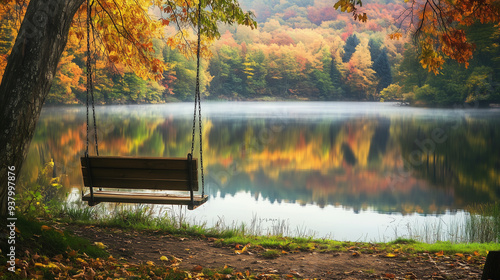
89	77
90	84
197	103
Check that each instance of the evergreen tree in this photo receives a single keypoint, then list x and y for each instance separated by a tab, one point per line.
335	74
374	47
382	71
350	47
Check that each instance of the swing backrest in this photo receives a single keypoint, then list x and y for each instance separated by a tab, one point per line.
139	173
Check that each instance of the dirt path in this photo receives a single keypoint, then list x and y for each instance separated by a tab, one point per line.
193	253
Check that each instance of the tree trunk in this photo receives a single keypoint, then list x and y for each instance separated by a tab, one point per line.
491	268
27	79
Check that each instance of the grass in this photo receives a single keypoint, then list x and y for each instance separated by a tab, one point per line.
46	240
483	224
274	242
39	238
271	254
140	217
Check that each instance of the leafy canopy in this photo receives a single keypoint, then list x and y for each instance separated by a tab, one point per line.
438	27
124	31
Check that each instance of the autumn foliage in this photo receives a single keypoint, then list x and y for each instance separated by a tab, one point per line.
438	27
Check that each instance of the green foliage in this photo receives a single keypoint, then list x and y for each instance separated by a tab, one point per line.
480	86
40	197
391	93
350	47
456	84
382	71
227	70
427	94
37	237
374	47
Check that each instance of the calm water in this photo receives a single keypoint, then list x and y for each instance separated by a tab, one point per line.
348	171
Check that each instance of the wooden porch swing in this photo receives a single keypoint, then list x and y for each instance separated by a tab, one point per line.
140	173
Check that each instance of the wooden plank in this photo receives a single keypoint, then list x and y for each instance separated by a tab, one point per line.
102	196
152	184
130	173
138	162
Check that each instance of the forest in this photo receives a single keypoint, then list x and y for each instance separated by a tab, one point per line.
301	50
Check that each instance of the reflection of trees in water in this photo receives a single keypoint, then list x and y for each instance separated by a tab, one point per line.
467	163
345	162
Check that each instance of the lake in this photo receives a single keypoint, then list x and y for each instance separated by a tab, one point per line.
342	170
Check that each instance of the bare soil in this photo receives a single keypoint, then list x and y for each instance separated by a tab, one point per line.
140	247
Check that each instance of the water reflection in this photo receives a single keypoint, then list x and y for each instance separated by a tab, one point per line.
358	156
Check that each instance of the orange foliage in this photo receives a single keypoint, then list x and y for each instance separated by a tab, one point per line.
439	26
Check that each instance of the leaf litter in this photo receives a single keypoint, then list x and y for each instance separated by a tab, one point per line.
155	255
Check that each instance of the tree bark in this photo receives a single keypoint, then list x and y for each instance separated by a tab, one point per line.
27	79
491	268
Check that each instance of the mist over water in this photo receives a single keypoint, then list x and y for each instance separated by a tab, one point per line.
349	171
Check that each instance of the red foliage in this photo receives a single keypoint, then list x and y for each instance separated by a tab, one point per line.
345	35
282	39
289	13
317	15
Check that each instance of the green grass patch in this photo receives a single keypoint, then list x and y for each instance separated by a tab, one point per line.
271	254
36	237
142	218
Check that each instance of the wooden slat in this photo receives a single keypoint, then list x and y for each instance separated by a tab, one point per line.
102	196
129	173
141	184
139	173
137	162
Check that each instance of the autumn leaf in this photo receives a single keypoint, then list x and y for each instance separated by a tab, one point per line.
45	228
439	254
239	252
390	255
53	266
72	253
100	245
163	258
197	268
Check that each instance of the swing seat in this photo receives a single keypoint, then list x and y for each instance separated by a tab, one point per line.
153	173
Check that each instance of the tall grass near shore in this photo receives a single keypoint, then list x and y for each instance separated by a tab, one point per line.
483	224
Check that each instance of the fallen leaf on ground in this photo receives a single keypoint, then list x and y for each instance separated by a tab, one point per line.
238	252
197	268
100	245
44	228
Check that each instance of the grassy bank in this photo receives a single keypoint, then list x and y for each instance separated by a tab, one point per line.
46	251
143	218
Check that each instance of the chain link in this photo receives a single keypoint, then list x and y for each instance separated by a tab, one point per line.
89	75
197	103
90	83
